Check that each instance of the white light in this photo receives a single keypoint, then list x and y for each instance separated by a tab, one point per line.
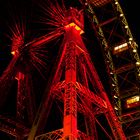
13	52
86	3
130	39
115	108
116	2
134	50
120	46
111	72
126	26
137	63
121	15
113	85
115	96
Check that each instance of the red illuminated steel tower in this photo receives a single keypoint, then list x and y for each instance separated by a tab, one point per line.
77	86
17	72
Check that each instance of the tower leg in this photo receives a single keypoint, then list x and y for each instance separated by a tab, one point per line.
70	109
20	96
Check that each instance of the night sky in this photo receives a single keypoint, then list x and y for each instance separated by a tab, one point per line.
11	9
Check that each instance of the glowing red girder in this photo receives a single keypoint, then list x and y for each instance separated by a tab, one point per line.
70	108
99	3
46	38
20	96
73	47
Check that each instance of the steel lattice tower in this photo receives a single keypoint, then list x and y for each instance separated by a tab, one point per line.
76	95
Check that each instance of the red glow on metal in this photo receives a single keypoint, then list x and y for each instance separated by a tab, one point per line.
70	107
74	91
99	3
74	56
17	37
20	96
17	41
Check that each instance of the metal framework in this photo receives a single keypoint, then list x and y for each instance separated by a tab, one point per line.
121	58
76	95
83	102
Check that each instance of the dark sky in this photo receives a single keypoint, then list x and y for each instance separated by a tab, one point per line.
9	9
13	9
131	10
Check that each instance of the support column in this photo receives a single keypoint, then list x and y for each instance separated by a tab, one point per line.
20	96
20	101
70	107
